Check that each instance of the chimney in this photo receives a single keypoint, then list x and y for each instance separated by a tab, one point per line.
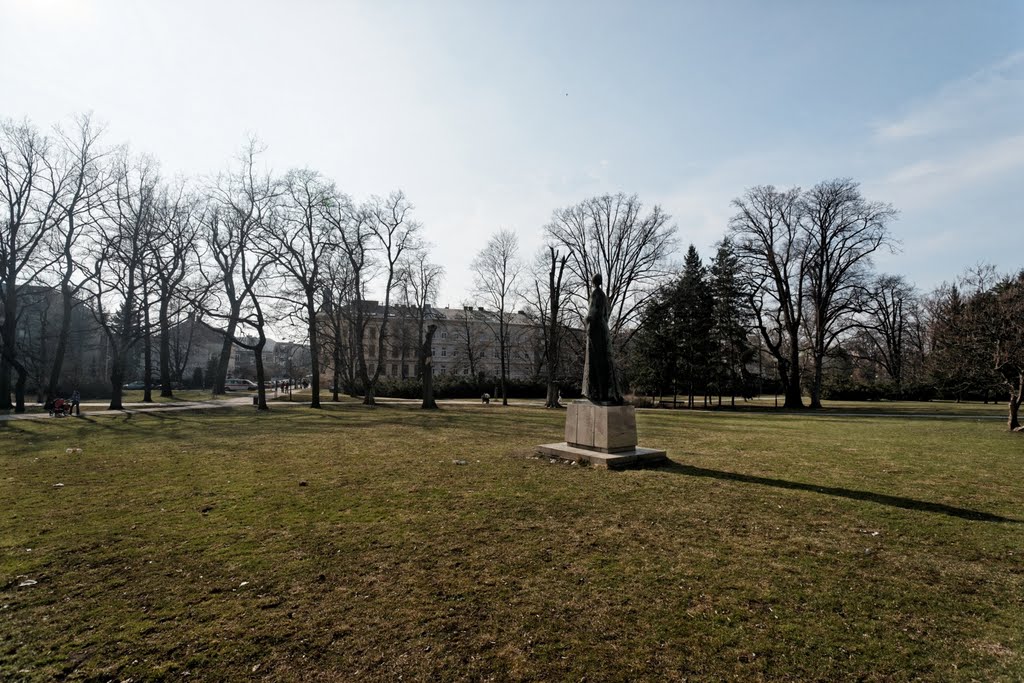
480	308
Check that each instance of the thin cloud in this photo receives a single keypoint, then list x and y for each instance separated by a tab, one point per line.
987	96
923	182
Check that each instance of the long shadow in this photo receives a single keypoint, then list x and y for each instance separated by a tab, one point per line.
880	498
10	426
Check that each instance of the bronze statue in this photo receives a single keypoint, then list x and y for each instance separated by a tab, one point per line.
599	382
427	362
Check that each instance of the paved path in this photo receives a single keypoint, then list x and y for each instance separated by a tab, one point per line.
132	408
93	408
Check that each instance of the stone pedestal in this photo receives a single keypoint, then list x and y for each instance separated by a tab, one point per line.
608	429
604	436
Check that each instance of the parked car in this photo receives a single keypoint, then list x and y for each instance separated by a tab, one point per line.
154	383
235	384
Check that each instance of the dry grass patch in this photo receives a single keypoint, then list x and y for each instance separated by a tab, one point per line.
775	547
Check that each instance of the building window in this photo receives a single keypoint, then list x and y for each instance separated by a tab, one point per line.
444	335
444	351
394	370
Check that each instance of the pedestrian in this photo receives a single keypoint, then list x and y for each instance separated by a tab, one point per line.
75	400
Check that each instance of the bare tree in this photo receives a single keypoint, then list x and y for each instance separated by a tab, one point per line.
888	324
304	244
393	233
352	268
842	230
335	331
121	245
1008	309
174	257
614	236
497	270
467	340
28	211
240	204
80	177
546	302
420	282
253	268
770	245
397	234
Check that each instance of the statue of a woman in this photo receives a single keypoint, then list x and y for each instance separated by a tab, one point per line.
599	383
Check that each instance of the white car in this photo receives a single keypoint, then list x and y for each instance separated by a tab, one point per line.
234	384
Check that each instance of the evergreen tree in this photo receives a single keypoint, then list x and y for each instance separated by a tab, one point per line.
654	351
730	347
692	307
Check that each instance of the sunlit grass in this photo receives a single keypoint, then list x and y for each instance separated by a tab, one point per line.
345	544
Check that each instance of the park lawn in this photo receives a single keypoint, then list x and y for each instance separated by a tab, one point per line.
776	546
924	408
180	395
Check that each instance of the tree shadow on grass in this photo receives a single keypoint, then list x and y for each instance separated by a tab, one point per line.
853	494
10	426
479	422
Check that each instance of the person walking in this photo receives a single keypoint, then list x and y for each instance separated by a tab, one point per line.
75	399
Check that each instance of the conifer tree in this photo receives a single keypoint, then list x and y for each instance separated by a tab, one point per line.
731	348
654	351
692	316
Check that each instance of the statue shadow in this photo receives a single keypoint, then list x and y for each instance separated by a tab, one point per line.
852	494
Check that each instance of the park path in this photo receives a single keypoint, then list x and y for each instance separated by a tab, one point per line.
93	408
132	408
538	403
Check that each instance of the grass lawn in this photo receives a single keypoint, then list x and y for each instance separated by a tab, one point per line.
344	544
135	396
951	408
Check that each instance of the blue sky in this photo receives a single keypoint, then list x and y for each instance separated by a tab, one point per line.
490	115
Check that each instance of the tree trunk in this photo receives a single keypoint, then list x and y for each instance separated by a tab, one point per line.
116	381
63	338
504	370
428	389
1014	422
314	352
165	349
147	359
261	380
552	396
225	356
789	373
19	387
816	383
1016	396
364	377
337	369
7	341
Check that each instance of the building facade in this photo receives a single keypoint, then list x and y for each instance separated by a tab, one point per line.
465	343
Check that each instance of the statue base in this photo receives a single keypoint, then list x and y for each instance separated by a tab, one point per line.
604	436
608	429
